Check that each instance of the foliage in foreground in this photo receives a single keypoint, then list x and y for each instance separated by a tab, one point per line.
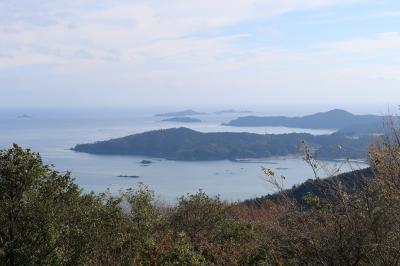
45	219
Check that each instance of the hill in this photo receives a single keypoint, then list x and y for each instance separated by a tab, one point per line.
189	145
351	182
334	119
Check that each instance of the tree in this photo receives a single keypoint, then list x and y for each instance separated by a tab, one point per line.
32	200
45	219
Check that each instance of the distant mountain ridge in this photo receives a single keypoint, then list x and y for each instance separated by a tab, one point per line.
334	119
189	145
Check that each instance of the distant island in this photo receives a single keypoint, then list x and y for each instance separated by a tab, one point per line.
363	129
180	113
189	145
23	116
182	119
129	176
334	119
232	111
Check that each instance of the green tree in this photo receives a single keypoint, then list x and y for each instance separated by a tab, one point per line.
46	220
32	200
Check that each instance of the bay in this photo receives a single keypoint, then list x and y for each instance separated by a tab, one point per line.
52	132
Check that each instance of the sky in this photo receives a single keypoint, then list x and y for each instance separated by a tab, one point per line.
156	52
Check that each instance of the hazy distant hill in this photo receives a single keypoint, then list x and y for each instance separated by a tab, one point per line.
187	144
363	129
232	111
182	119
334	119
180	113
24	116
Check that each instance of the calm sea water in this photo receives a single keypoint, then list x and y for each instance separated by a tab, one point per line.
52	132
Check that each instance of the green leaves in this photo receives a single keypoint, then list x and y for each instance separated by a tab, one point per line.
45	219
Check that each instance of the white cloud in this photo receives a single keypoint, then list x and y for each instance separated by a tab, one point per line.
180	49
380	42
52	31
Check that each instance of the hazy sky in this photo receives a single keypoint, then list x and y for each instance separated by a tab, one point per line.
120	52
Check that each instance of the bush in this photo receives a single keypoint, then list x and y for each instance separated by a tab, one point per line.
215	232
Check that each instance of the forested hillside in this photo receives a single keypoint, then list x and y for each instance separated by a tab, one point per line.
190	145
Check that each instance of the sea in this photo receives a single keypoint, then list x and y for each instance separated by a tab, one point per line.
54	131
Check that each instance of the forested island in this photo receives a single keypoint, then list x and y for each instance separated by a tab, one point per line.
334	119
189	145
180	113
183	119
232	111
